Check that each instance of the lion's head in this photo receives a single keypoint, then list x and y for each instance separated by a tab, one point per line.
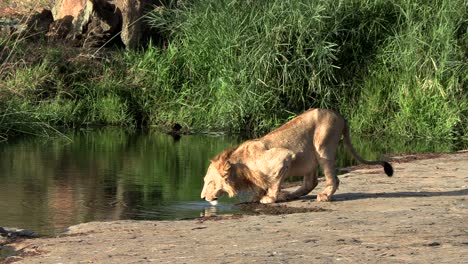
246	167
218	178
217	181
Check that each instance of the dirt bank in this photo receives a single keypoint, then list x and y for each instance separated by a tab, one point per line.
418	216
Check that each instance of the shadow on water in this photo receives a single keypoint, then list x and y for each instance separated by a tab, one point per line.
46	186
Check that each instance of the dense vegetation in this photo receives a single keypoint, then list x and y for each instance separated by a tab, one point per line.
394	67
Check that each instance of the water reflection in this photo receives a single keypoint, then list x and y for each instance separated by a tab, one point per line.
47	186
105	175
209	211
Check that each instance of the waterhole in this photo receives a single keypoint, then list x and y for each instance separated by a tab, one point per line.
48	185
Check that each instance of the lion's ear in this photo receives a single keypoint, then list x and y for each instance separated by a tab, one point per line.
226	168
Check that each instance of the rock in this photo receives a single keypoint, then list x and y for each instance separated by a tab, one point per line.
176	134
133	26
73	8
71	18
132	10
104	22
59	29
37	25
16	232
99	21
40	22
87	22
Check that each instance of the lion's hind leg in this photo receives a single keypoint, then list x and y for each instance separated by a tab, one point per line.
326	141
331	180
309	182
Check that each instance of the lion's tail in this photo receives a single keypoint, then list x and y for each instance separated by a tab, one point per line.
347	140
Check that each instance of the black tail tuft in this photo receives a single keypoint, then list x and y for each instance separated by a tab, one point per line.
388	169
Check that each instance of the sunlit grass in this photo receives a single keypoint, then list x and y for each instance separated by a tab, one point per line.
392	67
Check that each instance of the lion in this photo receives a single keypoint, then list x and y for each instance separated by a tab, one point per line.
296	148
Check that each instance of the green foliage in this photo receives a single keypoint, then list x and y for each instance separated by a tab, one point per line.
395	67
392	67
418	84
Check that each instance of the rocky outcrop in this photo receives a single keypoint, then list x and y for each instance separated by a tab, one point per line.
73	8
90	22
70	17
132	10
99	21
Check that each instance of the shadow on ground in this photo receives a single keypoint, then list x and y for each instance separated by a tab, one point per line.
362	195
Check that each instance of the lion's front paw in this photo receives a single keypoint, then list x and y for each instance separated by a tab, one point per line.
322	197
267	199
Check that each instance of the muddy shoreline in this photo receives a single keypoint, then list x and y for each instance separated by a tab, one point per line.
418	216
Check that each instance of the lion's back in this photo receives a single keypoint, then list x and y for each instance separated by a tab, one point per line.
302	129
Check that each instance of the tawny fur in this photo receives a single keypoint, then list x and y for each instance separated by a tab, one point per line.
294	149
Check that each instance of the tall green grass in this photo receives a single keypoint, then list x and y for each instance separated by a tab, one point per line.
44	96
418	82
394	67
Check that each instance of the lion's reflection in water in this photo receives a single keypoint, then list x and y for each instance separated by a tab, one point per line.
209	211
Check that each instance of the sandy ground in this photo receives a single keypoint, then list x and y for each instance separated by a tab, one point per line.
418	216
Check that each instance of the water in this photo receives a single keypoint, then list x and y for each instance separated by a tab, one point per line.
48	185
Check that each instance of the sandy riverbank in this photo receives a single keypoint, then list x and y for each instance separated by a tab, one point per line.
418	216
